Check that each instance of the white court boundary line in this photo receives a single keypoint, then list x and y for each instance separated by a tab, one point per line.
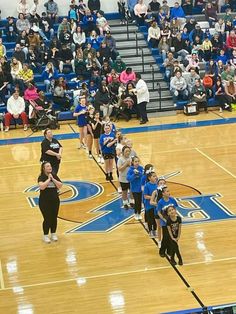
215	162
2	284
118	274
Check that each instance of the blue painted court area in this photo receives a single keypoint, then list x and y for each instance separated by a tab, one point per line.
138	129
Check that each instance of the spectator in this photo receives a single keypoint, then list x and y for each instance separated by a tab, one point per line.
111	43
11	30
81	9
34	40
227	75
220	27
140	11
34	59
66	57
33	11
127	75
94	5
3	50
217	45
16	67
169	65
231	41
3	85
102	101
210	14
207	49
52	9
59	95
187	7
49	75
95	40
230	91
118	65
142	93
190	25
220	96
228	19
178	87
220	67
46	30
6	67
89	50
129	100
190	80
102	23
211	69
131	4
177	13
30	93
196	32
23	7
15	110
64	26
199	95
22	24
25	76
180	47
154	7
104	52
166	9
19	54
79	66
79	38
89	22
164	47
154	34
73	12
232	60
121	10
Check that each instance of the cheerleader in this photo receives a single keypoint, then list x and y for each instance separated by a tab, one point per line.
134	176
81	112
97	131
89	139
107	144
147	169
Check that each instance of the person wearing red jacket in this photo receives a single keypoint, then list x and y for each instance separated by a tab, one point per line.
231	40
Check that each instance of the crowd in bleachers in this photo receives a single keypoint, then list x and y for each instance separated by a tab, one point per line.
198	56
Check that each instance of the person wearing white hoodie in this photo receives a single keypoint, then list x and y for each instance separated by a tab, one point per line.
16	110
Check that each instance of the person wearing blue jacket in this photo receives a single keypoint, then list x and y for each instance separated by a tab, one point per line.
107	144
134	176
177	13
160	212
149	188
131	4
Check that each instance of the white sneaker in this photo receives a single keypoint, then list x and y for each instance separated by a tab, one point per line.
102	160
25	127
159	244
220	110
146	225
119	190
54	237
136	216
6	129
46	239
90	156
140	217
99	160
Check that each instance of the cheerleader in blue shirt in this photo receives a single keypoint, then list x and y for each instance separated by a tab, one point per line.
134	176
149	187
81	113
107	144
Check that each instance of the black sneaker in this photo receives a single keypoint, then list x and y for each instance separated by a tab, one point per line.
173	262
126	206
162	254
111	177
107	177
180	262
131	205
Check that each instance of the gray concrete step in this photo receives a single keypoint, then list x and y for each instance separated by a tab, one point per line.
131	52
138	60
131	44
132	36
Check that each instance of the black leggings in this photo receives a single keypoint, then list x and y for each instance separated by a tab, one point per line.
137	202
165	242
152	225
174	249
49	210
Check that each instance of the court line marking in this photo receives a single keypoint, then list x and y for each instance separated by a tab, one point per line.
215	162
119	273
2	284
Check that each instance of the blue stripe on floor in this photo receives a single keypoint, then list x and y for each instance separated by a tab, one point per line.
138	129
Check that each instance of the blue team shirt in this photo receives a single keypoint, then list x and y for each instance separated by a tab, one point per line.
135	178
105	149
148	189
81	119
162	206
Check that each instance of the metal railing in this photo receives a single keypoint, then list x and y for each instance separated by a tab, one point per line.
127	28
142	57
159	92
136	42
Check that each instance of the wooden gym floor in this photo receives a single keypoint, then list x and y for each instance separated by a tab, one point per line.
119	271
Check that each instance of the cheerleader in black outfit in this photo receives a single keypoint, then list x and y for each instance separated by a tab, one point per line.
49	202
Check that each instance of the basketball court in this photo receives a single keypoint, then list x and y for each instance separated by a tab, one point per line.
104	261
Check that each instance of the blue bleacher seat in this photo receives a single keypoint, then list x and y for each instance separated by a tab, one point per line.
3	109
66	115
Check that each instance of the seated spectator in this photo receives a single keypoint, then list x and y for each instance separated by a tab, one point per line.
121	9
34	40
66	57
208	83
64	26
220	67
51	9
4	82
193	63
227	75
102	101
46	30
94	5
222	57
178	14
207	49
3	50
79	66
153	8
89	22
25	76
33	11
66	38
140	12
106	69
15	110
231	41
81	9
196	32
102	23
187	7
165	30
34	59
228	19
220	96
162	19
211	14
6	68
11	30
104	52
154	34
166	9
22	24
190	25
169	65
49	76
89	50
230	91
178	87
179	47
19	54
79	38
111	44
113	75
220	27
30	94
199	95
16	67
217	45
199	4
95	40
73	12
232	60
118	65
95	73
190	80
185	37
59	95
23	7
127	75
113	88
128	100
164	47
23	41
212	70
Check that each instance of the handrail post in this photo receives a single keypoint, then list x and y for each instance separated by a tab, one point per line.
153	83
136	42
159	85
142	59
127	28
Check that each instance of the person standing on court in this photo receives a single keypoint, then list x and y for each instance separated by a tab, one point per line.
49	201
142	92
51	150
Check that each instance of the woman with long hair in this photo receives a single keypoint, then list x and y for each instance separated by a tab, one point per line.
81	113
49	202
49	75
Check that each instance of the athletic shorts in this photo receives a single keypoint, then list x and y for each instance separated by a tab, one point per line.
108	156
125	186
